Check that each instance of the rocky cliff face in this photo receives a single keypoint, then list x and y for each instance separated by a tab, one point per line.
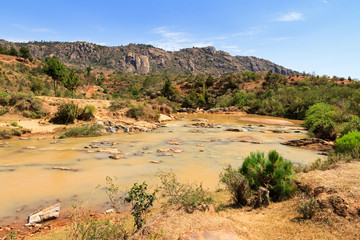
140	58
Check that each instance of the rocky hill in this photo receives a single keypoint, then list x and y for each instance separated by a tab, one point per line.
140	58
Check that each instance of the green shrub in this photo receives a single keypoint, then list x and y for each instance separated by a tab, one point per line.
348	143
4	134
84	131
4	99
118	104
3	111
237	184
308	208
353	125
14	124
271	172
88	228
87	113
66	113
142	112
187	196
141	202
320	120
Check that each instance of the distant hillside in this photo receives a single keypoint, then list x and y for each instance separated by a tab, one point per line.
140	58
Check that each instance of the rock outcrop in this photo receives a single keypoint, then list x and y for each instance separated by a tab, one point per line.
141	58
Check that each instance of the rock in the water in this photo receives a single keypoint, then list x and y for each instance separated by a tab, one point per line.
156	162
31	148
246	139
175	143
116	156
310	143
45	214
164	117
234	130
65	169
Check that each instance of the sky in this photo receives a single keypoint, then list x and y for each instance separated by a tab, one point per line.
312	36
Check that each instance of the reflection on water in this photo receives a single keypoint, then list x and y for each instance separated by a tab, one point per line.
28	179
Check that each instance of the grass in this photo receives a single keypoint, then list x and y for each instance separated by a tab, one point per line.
84	131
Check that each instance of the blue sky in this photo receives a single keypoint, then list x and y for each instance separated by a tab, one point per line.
321	36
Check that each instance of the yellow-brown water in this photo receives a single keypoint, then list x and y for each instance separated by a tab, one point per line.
28	182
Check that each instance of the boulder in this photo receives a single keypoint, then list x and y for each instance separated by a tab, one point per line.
163	117
45	214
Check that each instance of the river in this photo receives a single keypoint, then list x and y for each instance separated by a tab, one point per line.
29	179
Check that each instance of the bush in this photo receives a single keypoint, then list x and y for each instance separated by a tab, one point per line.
271	172
142	112
348	143
237	184
66	113
3	111
4	134
118	104
188	196
308	208
4	99
87	113
320	121
89	228
141	201
84	131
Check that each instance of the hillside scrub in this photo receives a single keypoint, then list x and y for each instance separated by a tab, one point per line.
349	143
143	112
67	113
27	104
84	131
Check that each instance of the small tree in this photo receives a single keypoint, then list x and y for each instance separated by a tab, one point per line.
54	68
71	81
271	172
25	53
237	184
141	201
13	52
320	120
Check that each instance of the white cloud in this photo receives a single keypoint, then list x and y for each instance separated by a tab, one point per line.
10	39
172	41
250	32
289	17
38	30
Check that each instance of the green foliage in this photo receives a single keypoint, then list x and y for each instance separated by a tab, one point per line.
308	208
89	228
118	104
270	172
141	201
113	193
84	131
3	111
348	143
142	112
14	124
237	184
13	52
37	86
54	68
352	125
25	53
188	196
320	121
66	113
71	80
87	113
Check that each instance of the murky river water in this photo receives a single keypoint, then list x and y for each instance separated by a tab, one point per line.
28	180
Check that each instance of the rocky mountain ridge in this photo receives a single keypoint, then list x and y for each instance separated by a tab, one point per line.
141	58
